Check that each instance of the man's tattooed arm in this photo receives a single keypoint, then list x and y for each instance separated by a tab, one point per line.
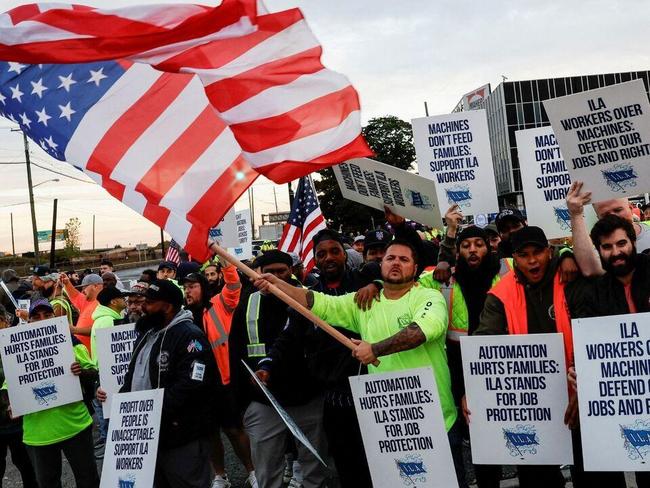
409	337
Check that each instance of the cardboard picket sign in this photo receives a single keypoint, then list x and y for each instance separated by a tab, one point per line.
546	182
516	391
604	135
403	429
132	442
114	349
286	418
612	361
37	358
376	185
454	151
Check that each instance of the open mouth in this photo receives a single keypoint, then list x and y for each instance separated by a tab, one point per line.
535	272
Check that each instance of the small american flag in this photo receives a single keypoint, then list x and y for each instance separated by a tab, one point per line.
176	109
305	220
173	253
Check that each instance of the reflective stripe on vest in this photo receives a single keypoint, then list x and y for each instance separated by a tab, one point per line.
223	335
506	267
255	348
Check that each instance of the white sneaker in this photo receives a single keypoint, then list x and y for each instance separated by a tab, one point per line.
251	481
221	482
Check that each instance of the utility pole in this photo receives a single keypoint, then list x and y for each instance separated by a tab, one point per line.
162	244
291	195
53	241
426	109
93	232
31	198
275	197
13	245
251	196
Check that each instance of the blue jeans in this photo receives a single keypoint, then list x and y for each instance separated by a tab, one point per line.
101	421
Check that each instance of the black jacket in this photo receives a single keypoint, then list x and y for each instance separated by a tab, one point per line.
605	295
330	363
290	384
189	405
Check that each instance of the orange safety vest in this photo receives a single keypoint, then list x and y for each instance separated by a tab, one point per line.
217	321
511	293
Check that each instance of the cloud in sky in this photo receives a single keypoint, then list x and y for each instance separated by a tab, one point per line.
398	55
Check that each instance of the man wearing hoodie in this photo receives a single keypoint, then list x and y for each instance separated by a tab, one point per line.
171	352
107	314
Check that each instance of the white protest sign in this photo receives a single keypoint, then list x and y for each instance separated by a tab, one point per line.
605	138
403	429
517	393
114	349
37	358
244	247
225	234
612	356
454	151
288	421
132	442
377	185
546	182
23	305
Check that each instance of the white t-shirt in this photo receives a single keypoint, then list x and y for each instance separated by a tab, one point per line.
643	238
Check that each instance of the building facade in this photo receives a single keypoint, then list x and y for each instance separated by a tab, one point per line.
517	105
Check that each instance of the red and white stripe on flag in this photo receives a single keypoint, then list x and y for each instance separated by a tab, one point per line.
305	221
212	98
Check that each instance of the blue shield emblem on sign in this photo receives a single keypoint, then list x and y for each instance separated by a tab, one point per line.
418	200
127	481
412	469
562	217
637	440
45	393
521	440
620	177
460	196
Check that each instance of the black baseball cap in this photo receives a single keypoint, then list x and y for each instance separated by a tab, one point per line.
506	214
41	270
377	238
167	265
529	235
165	291
107	294
193	278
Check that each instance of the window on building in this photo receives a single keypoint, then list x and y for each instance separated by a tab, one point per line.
560	89
529	113
542	87
520	114
610	79
644	76
511	113
576	84
626	77
526	91
511	135
592	82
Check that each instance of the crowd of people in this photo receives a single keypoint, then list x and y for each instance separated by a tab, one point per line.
401	297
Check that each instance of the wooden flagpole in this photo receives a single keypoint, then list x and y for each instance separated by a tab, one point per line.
304	311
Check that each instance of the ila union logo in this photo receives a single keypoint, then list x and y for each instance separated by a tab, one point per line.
412	469
636	440
44	393
459	195
127	481
620	177
521	440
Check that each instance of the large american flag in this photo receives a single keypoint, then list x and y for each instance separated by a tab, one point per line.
176	109
305	220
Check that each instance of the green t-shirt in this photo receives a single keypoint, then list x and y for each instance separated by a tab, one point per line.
425	307
59	423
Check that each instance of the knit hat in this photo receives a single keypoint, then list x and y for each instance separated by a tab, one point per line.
470	232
